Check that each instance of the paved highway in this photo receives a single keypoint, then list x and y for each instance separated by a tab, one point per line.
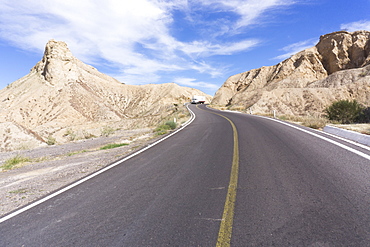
226	179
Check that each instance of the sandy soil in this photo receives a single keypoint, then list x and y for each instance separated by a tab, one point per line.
362	128
53	167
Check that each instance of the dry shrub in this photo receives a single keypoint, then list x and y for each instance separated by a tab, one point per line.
314	122
366	132
292	118
237	108
218	107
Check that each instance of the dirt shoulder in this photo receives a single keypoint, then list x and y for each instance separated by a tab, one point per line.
53	167
361	128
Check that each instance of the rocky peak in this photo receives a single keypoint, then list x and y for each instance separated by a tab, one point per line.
57	50
56	58
344	50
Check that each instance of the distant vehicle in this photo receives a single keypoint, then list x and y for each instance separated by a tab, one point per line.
198	99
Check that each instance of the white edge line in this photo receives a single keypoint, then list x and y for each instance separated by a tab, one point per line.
9	216
321	137
344	139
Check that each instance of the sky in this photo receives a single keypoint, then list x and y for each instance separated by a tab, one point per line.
194	43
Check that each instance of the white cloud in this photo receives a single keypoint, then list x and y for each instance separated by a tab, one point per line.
356	26
133	36
192	82
205	48
94	30
295	48
249	12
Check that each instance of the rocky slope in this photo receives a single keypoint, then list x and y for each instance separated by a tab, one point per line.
62	96
338	67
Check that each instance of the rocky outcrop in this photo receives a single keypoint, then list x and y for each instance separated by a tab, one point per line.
343	50
58	67
62	93
329	67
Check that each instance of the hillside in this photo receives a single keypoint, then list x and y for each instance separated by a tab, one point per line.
62	95
338	67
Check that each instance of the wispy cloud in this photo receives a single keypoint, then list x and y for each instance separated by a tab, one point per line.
292	49
135	36
241	13
356	26
192	82
205	48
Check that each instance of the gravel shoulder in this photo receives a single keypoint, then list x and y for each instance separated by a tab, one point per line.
361	128
56	166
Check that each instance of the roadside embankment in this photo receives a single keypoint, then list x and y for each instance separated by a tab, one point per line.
47	169
348	134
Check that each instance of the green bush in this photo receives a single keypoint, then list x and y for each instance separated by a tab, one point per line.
163	129
365	116
171	124
345	111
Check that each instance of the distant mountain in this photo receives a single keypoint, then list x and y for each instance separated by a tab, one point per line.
338	67
62	93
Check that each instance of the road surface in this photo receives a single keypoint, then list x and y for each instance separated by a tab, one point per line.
226	179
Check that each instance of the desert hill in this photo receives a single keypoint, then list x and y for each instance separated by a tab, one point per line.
61	94
338	67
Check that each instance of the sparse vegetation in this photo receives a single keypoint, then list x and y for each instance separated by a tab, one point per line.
70	134
78	152
289	118
365	72
236	108
315	122
51	140
19	191
107	131
164	128
366	132
218	107
113	145
87	135
345	111
171	124
13	162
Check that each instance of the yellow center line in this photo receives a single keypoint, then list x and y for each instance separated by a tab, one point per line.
225	231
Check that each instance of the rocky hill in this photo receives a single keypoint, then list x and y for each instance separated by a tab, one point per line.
62	96
338	67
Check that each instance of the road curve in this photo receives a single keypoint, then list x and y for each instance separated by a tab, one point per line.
293	189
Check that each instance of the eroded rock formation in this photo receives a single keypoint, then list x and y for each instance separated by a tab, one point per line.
336	68
62	93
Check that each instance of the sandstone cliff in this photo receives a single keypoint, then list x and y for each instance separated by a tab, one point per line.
336	68
62	93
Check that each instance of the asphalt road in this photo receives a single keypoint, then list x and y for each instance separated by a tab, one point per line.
293	189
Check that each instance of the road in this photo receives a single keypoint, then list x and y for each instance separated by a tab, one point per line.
226	179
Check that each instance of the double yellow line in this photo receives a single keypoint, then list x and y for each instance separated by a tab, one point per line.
225	232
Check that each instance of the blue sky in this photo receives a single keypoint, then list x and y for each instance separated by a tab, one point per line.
195	43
